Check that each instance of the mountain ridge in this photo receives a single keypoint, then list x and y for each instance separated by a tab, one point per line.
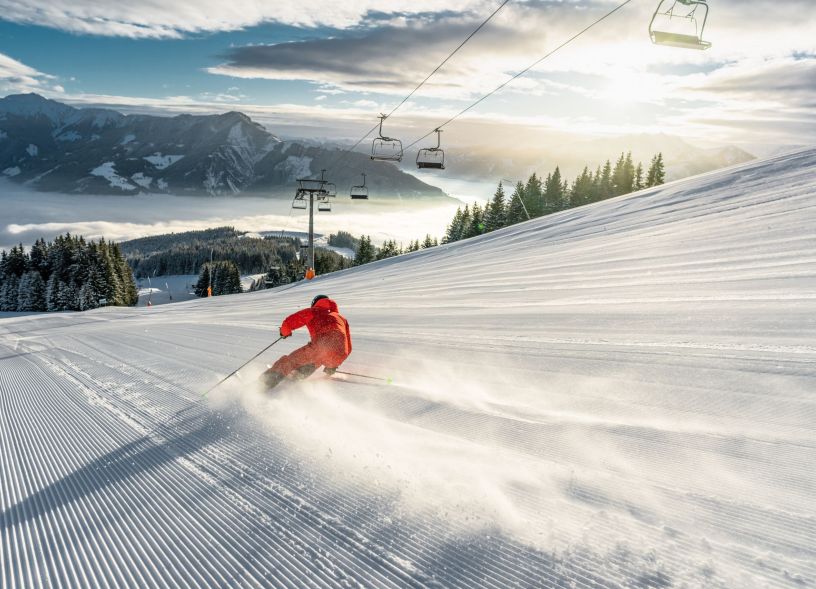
54	147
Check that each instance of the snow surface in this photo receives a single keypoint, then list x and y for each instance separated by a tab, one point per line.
161	290
142	180
108	172
160	162
621	395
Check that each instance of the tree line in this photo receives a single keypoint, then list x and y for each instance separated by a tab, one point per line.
537	198
67	274
188	252
368	252
218	278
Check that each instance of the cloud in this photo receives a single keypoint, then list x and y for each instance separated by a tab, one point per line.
16	77
158	19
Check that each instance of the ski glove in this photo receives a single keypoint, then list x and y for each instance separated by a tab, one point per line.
329	371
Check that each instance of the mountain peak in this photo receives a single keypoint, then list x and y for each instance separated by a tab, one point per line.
33	104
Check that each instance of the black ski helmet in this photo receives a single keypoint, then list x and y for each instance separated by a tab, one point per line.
317	298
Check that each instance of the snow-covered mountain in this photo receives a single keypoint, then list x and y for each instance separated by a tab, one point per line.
54	147
621	395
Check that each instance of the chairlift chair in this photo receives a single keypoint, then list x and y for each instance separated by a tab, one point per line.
674	29
386	148
324	206
331	189
359	192
432	157
299	202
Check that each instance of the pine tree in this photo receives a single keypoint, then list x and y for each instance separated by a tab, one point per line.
365	251
553	192
52	293
475	224
87	298
232	278
656	174
534	197
638	181
16	262
618	176
39	258
428	242
659	171
31	292
515	210
465	223
628	180
203	282
68	297
454	228
388	250
606	188
495	212
9	293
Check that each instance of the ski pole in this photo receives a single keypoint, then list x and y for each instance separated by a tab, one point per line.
388	380
239	368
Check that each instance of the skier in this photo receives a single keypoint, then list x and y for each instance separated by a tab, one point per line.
329	347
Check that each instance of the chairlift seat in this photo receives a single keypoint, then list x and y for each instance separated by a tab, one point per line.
386	149
669	28
299	203
324	206
359	196
678	40
431	158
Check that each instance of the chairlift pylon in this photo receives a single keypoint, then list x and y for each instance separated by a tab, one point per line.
386	148
432	157
359	192
674	29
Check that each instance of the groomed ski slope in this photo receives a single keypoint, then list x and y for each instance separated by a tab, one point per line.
620	395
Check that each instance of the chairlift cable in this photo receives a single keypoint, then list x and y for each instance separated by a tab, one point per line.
422	83
521	73
444	61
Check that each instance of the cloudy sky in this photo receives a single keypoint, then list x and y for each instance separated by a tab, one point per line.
324	69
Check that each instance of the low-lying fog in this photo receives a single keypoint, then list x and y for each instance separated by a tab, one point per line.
26	215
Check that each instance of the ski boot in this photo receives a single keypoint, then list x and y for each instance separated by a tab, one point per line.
303	372
271	379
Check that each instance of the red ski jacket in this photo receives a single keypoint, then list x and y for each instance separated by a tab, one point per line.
326	326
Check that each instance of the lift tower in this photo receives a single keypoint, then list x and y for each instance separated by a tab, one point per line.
309	191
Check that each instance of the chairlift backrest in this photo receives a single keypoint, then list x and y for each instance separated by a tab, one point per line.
359	192
324	206
299	202
675	26
386	148
432	157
